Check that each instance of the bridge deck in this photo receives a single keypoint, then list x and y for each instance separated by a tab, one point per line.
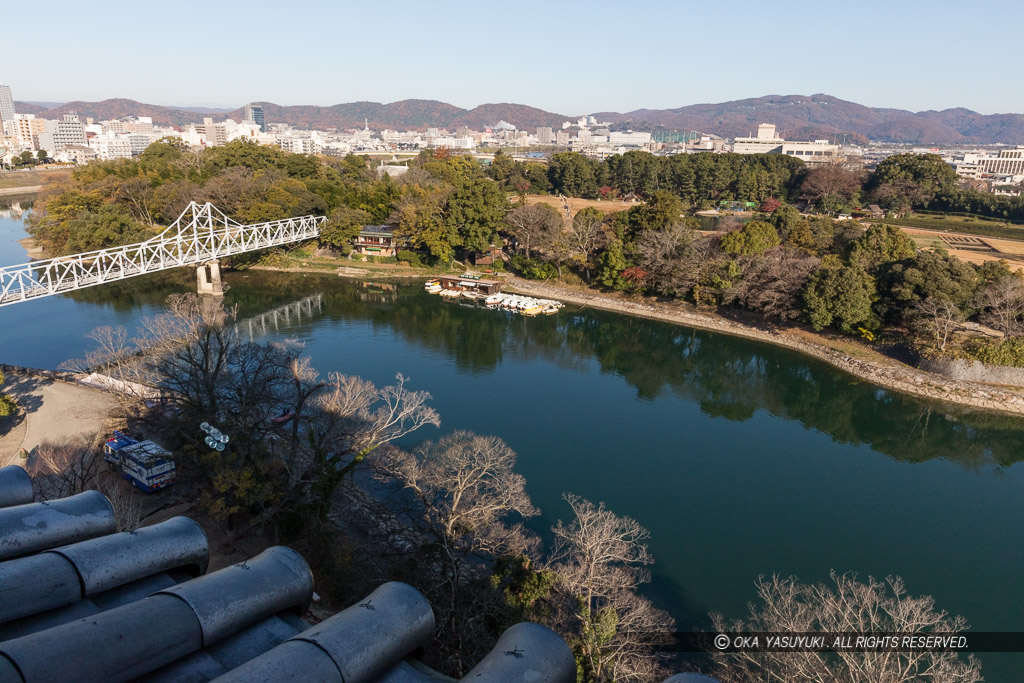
201	234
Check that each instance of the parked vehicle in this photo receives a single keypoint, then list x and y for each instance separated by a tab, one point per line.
146	464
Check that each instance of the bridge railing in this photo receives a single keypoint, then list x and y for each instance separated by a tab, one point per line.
197	241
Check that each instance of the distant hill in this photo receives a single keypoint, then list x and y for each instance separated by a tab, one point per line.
797	117
33	107
519	115
116	108
403	114
207	110
823	116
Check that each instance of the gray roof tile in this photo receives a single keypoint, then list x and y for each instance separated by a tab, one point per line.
15	486
79	602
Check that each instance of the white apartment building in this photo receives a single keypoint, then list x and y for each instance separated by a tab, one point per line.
453	143
816	152
57	135
111	146
299	145
545	136
74	154
249	130
216	134
629	138
138	142
1008	162
984	165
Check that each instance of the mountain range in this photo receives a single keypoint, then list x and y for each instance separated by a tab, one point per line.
796	117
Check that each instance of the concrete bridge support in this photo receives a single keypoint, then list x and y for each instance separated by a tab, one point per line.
208	278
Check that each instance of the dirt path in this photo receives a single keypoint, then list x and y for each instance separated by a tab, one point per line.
54	411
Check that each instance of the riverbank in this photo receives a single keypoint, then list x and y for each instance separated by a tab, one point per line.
27	189
862	363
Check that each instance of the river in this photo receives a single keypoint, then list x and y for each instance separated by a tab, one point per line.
742	459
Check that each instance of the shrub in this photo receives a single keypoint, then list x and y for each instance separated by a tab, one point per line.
410	257
1004	352
533	269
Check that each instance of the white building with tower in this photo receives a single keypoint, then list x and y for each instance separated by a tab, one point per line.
768	141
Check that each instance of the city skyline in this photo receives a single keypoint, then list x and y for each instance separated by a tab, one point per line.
654	55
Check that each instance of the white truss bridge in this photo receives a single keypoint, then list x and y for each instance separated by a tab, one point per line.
202	233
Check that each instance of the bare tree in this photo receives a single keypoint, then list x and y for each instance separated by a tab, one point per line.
469	499
64	468
137	195
600	559
124	500
676	258
843	606
306	383
352	418
831	185
466	486
587	233
771	284
1002	304
534	225
938	317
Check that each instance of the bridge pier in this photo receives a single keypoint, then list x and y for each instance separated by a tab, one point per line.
208	278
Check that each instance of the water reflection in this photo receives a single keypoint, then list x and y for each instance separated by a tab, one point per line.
727	377
282	318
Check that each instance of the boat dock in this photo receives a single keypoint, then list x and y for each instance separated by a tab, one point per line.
468	287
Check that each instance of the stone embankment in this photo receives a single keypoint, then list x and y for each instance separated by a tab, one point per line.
887	374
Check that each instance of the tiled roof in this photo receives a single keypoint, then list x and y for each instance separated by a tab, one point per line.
80	602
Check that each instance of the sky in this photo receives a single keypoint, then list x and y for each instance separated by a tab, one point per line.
568	58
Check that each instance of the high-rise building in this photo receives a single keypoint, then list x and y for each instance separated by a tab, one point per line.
6	104
27	128
254	113
544	135
59	134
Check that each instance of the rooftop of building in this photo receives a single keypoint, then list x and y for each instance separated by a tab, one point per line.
81	601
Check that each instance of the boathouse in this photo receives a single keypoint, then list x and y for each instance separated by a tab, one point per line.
462	283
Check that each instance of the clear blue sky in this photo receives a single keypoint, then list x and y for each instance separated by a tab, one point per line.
569	58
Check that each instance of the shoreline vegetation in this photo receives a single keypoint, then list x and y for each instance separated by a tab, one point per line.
878	369
846	354
840	353
801	261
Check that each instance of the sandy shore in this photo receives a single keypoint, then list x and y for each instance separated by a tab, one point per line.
883	372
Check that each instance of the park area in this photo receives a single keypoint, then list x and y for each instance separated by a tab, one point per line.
575	204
